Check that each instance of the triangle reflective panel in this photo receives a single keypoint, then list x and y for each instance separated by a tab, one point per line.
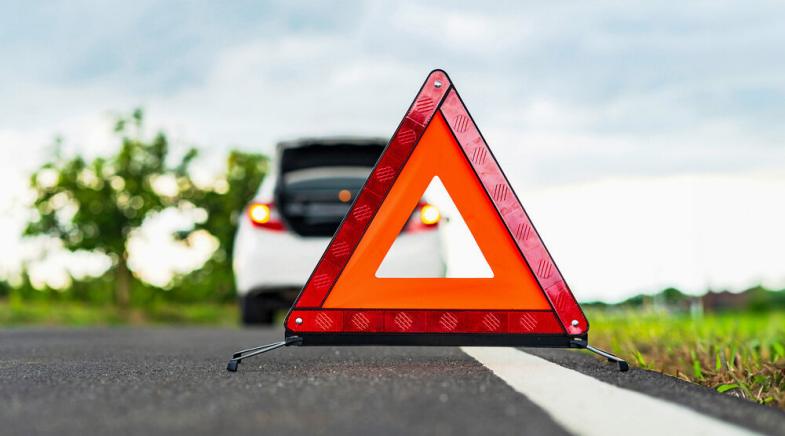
524	302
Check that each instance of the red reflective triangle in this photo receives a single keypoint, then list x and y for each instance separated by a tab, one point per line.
526	302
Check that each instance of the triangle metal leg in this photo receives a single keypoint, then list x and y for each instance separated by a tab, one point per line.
580	343
238	357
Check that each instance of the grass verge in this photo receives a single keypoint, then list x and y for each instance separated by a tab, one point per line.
741	354
47	313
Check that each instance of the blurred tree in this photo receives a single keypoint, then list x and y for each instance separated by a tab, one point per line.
224	203
95	205
5	288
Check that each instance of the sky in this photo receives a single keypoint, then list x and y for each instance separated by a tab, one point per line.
645	139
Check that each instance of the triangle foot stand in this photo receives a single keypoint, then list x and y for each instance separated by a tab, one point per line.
250	352
583	344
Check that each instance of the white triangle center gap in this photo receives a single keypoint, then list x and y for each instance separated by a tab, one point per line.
448	251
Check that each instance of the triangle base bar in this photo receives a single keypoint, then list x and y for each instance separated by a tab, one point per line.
437	339
412	321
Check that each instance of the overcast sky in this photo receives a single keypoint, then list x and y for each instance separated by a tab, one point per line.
646	139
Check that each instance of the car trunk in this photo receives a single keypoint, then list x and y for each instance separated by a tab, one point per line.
318	182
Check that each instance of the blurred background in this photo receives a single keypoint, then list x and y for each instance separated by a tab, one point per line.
644	139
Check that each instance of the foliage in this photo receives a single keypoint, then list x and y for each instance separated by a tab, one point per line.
758	299
98	204
95	205
224	203
741	354
74	313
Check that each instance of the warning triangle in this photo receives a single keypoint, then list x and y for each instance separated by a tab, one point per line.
524	302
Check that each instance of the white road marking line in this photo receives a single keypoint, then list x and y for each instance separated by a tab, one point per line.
587	406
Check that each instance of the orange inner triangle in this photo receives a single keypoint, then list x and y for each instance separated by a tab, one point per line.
512	287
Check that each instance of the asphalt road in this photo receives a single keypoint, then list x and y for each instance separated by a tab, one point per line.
173	381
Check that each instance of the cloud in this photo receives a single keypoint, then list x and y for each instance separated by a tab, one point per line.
567	94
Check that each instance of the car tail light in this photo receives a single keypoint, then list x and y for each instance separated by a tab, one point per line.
425	217
264	215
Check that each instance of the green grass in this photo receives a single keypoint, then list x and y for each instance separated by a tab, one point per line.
48	313
741	354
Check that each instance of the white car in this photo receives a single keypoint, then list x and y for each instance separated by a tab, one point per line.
298	208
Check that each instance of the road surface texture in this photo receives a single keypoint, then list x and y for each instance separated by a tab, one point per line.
173	381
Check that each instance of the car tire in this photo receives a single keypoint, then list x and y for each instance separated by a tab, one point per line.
255	310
